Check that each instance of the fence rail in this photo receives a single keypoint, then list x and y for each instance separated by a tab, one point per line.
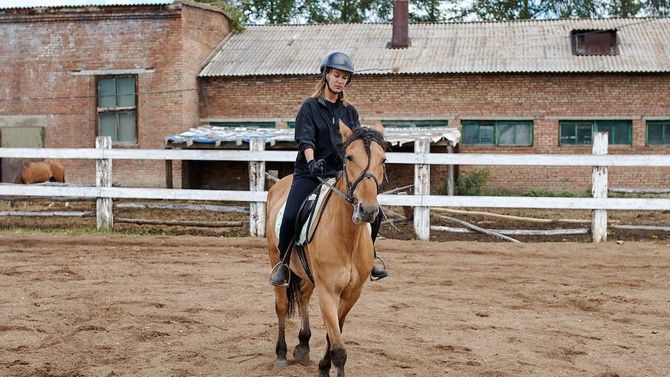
421	201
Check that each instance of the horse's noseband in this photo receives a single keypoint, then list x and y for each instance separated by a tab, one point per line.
364	174
351	187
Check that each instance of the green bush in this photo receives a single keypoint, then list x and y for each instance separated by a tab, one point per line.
472	184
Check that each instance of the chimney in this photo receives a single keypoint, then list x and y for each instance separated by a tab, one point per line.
400	37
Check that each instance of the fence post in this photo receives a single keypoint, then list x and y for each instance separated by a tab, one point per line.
103	178
422	187
599	189
257	183
450	173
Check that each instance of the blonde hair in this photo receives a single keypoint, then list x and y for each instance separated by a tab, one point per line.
320	90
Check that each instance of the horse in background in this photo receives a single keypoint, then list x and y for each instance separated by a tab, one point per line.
42	171
340	253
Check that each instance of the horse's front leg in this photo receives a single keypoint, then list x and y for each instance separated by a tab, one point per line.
301	351
281	308
335	351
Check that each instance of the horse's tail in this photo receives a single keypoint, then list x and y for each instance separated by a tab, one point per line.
293	293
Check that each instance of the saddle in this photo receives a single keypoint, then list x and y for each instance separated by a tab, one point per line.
309	217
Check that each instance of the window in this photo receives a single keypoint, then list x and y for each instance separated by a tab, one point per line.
658	132
414	123
498	132
579	132
117	108
593	42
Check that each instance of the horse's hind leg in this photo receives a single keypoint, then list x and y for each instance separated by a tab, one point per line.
301	351
281	308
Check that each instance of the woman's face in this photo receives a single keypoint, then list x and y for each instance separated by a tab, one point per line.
337	80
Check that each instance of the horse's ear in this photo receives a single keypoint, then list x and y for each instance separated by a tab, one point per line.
344	130
378	126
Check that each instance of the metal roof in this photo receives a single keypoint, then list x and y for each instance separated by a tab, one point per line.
217	137
471	47
27	4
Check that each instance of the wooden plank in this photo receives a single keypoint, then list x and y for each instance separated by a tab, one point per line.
480	229
132	193
103	178
188	207
211	224
518	232
393	158
643	227
634	204
599	189
510	217
422	187
47	213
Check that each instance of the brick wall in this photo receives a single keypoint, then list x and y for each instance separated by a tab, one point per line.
545	98
43	50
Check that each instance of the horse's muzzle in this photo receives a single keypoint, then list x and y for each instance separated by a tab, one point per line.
364	213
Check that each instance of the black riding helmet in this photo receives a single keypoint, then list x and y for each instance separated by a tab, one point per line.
338	60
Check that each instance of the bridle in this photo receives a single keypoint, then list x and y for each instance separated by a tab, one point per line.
351	187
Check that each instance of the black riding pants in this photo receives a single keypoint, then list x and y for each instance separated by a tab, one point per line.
301	187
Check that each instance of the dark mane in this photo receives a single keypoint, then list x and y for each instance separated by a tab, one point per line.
368	135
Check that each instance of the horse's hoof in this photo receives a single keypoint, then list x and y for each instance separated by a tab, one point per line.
301	356
281	364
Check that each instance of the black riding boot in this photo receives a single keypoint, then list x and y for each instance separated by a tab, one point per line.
280	276
378	272
281	271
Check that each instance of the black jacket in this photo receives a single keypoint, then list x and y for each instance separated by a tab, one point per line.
318	128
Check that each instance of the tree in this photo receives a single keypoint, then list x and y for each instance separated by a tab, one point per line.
428	11
623	8
573	8
657	8
270	11
237	19
491	10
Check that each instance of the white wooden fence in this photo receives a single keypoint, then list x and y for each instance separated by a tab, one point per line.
421	200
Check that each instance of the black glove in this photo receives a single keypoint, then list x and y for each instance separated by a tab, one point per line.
316	168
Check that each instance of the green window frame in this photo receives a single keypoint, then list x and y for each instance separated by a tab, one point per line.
117	108
579	132
414	123
501	133
250	124
658	132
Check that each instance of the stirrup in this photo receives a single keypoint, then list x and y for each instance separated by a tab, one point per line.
274	269
372	278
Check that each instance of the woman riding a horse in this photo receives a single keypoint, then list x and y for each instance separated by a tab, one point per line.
319	141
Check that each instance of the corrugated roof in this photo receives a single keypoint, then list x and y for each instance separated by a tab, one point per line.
473	47
27	4
216	137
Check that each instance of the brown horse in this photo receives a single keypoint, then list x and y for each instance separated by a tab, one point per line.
340	254
42	171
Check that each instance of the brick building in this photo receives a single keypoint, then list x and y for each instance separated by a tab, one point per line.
511	87
69	74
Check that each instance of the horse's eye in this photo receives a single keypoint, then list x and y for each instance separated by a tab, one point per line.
383	161
350	158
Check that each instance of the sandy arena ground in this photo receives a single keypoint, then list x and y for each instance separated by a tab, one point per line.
105	305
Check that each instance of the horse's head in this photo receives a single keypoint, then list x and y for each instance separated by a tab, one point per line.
364	159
